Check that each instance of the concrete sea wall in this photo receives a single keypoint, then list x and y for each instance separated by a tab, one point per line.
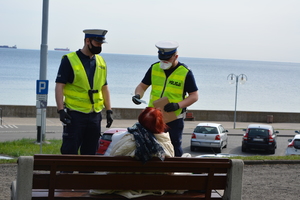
199	115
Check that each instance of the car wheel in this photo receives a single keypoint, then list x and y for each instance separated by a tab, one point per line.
272	151
226	144
218	150
193	148
244	149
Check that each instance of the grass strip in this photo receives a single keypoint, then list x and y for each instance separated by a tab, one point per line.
27	147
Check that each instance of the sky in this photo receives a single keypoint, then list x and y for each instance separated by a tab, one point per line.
263	30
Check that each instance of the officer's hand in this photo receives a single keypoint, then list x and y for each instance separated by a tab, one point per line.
109	118
134	99
64	116
171	107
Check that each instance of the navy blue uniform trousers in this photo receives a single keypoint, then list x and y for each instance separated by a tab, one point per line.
175	131
82	134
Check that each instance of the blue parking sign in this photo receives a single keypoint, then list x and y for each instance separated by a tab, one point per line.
42	87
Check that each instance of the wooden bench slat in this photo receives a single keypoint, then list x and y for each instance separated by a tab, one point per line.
156	165
120	158
84	194
128	181
87	168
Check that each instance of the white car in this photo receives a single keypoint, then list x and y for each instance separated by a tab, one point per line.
209	135
293	147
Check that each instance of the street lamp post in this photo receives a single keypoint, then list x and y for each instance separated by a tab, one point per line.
235	79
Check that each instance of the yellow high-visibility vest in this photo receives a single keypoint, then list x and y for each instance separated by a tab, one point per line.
77	93
171	87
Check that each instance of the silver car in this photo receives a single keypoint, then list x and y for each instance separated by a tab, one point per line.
209	135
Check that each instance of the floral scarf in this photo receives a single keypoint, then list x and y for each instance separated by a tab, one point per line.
146	144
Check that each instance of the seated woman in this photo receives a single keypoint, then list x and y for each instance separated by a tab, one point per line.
144	139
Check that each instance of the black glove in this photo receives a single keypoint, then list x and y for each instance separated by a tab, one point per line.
137	96
171	107
64	116
109	118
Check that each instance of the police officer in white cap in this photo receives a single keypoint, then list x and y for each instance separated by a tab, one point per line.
81	93
174	80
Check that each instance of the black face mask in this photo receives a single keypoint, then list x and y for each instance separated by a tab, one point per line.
94	49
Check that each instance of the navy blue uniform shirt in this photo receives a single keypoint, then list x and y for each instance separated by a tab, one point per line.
65	72
190	83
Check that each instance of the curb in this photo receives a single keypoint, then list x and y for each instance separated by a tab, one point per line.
277	135
267	162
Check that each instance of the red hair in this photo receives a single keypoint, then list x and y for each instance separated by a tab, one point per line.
152	120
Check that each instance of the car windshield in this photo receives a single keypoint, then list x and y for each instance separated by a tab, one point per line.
258	132
206	130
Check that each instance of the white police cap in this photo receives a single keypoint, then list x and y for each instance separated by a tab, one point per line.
166	49
96	34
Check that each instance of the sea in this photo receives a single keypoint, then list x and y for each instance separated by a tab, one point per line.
269	86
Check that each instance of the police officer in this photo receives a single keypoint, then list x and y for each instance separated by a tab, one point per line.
81	93
174	80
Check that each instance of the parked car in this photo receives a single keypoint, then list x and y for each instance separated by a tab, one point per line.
105	139
260	136
293	147
209	135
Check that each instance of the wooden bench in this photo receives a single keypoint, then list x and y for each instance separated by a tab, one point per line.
40	177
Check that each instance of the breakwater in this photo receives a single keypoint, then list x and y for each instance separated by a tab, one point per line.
199	115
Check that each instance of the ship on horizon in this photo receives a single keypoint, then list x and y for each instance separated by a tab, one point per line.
8	47
62	49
